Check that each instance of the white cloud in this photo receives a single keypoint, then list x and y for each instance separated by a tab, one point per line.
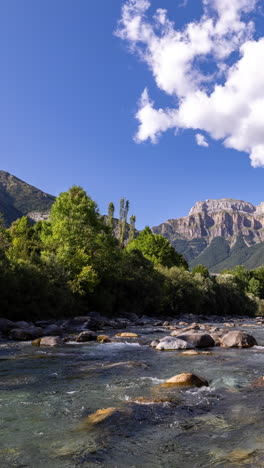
201	140
229	103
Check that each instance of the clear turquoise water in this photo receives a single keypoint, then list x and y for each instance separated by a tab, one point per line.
46	394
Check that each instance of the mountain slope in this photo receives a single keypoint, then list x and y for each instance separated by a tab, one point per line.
17	198
218	234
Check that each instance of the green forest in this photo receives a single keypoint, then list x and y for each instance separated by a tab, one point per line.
79	261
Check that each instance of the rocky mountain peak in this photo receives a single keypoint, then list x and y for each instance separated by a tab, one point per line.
223	204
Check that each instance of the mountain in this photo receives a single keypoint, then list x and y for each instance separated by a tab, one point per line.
17	198
219	234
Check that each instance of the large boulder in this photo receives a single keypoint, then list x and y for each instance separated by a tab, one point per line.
22	324
25	334
51	341
198	340
86	336
6	325
82	323
168	343
186	380
238	339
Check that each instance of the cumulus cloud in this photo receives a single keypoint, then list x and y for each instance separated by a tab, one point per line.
201	140
227	103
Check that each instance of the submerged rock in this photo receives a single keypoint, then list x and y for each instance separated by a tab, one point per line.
186	380
168	343
238	339
111	414
259	382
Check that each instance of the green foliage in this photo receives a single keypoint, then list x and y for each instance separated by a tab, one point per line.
157	249
73	262
132	229
110	217
202	270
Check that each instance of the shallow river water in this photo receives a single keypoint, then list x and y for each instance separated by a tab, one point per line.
46	395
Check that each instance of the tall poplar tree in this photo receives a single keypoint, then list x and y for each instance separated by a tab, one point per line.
132	224
120	221
110	218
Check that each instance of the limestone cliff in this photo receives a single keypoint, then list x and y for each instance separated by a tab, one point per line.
225	218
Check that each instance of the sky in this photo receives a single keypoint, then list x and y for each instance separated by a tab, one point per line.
158	101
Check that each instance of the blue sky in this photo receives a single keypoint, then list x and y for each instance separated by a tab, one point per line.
69	92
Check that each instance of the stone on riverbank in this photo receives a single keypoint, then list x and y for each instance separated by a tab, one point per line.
238	339
186	380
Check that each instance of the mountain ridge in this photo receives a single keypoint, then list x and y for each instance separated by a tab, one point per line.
18	198
227	218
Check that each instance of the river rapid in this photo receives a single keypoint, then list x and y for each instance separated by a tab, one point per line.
47	395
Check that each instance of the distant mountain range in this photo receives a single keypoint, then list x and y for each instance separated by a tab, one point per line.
217	233
17	198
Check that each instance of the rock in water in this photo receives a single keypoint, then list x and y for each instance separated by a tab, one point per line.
198	340
127	335
186	380
103	339
6	325
51	341
168	343
238	339
86	336
30	333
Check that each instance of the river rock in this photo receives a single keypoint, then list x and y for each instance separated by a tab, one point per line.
238	339
103	339
36	342
99	416
22	324
198	340
6	325
259	382
127	335
53	330
51	341
92	324
86	336
168	343
154	343
21	334
186	380
82	322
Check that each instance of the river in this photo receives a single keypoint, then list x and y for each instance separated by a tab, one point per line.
47	395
